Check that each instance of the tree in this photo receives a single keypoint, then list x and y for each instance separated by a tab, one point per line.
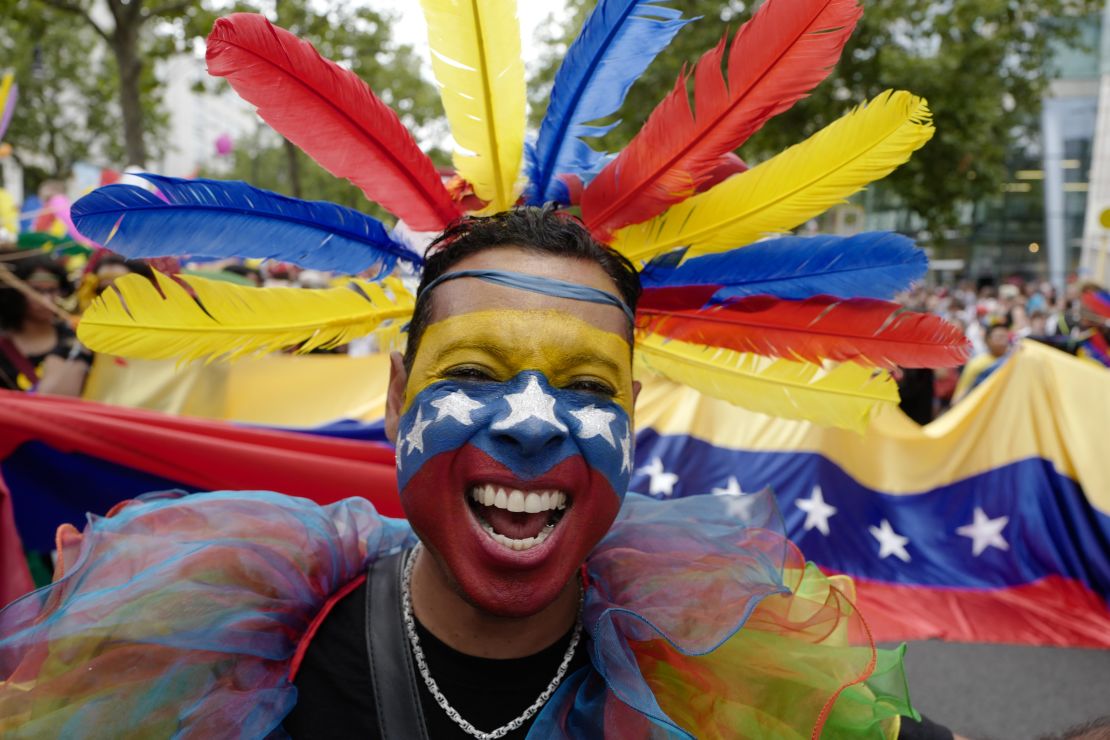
360	39
64	112
983	65
131	47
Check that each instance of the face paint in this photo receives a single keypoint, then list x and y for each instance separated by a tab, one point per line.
515	450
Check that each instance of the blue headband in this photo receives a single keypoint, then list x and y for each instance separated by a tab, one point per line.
536	284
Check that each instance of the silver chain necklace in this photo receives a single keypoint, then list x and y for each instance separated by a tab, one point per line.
433	688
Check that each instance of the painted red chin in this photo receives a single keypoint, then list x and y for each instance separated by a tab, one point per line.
495	577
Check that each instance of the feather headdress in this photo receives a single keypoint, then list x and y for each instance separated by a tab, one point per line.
798	327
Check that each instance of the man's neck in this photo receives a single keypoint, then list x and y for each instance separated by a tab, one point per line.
464	627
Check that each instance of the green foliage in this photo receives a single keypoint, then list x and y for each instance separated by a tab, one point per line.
68	67
64	111
983	65
69	84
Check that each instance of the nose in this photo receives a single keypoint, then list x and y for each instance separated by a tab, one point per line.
532	437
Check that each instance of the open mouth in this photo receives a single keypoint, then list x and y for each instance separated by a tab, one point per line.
518	520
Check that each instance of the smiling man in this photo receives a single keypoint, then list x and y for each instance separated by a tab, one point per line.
527	594
512	415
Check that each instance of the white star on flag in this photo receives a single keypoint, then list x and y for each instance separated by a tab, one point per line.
458	406
985	532
626	452
890	542
532	402
595	423
817	511
415	436
740	503
662	482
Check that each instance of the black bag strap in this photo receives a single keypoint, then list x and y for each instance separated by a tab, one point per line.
392	669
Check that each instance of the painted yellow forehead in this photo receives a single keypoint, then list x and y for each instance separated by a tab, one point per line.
506	342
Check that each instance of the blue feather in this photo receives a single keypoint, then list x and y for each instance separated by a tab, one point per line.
870	265
618	42
233	219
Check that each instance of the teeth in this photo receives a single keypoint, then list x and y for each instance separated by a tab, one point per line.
511	499
525	544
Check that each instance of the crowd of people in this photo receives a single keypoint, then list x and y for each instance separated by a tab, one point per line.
994	317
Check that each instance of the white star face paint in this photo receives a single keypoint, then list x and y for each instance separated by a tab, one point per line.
595	422
531	403
458	406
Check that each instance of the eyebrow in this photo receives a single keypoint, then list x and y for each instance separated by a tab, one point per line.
589	358
579	358
479	344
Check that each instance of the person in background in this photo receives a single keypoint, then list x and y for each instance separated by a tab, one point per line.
103	270
1038	324
38	350
997	340
250	273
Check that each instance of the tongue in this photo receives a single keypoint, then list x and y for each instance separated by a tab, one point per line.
514	524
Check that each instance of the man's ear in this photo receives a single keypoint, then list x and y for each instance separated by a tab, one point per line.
395	397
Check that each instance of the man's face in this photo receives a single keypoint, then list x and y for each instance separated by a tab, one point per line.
998	340
514	430
46	285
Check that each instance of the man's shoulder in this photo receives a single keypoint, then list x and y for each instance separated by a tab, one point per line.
332	673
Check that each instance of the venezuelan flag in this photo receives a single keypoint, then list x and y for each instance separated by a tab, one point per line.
992	524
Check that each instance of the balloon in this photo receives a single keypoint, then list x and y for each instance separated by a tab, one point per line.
224	144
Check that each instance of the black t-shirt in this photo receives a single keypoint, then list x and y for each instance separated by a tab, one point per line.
335	696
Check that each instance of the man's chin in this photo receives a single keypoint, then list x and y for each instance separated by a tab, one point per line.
511	599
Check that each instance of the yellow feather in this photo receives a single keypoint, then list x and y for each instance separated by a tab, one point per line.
841	395
792	187
226	321
475	47
5	89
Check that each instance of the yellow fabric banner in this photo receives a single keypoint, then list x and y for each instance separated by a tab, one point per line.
1042	403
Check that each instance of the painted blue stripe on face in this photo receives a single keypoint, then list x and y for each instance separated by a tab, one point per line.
523	423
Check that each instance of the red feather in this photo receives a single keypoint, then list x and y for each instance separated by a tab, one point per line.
862	330
783	52
675	298
332	115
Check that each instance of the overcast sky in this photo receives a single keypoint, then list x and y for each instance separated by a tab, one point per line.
411	28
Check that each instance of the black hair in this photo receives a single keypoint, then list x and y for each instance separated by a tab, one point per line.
1096	729
136	266
539	230
13	304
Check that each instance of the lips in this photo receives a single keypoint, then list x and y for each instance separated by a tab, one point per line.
486	547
